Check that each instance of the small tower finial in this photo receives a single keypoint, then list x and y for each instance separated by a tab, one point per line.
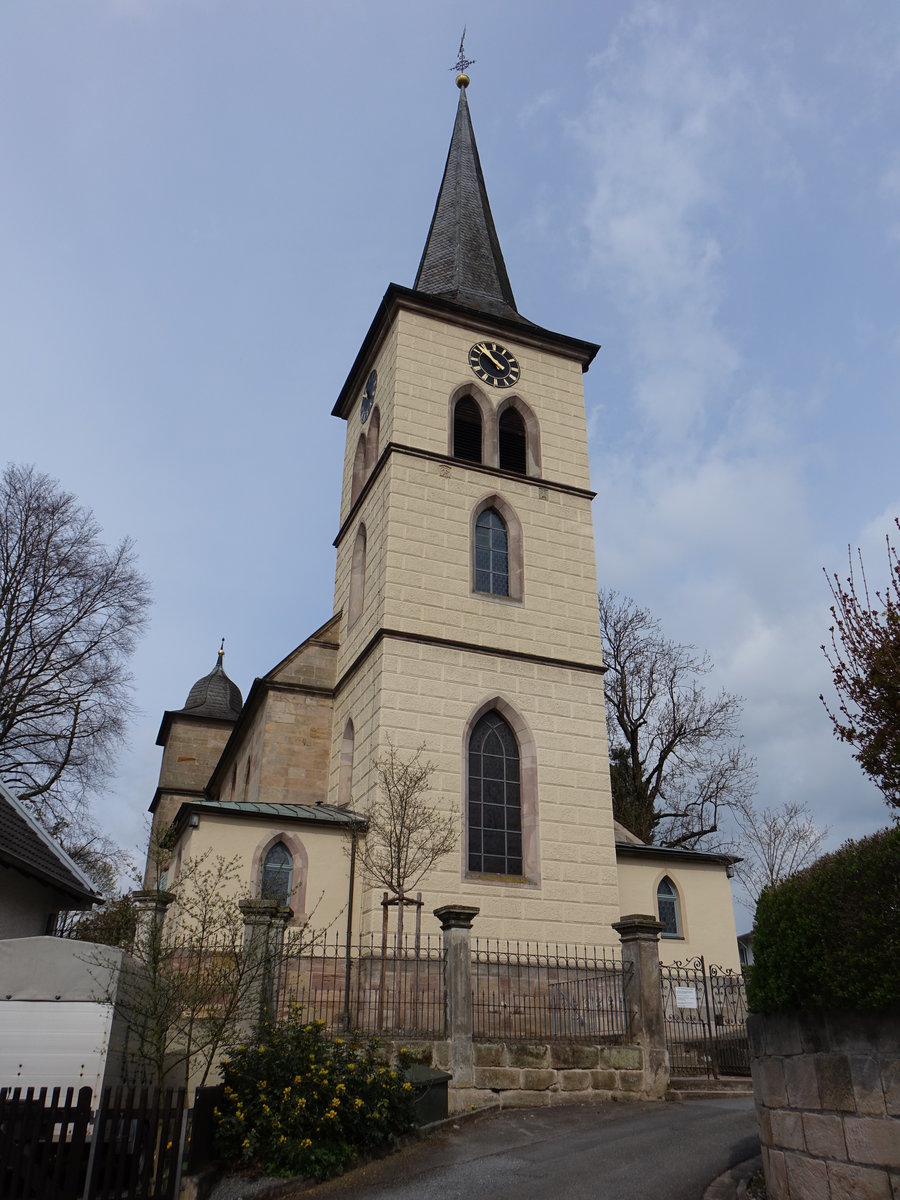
222	650
462	79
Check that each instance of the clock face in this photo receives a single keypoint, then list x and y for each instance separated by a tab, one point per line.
494	364
368	398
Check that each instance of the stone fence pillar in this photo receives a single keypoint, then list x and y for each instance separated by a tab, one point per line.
639	934
150	911
264	924
456	924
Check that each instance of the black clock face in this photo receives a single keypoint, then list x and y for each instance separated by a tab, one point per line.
368	397
494	364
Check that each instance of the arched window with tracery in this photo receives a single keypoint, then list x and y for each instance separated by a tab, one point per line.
667	908
277	874
512	442
491	554
494	798
467	430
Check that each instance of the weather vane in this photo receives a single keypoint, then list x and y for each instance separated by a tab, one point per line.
462	63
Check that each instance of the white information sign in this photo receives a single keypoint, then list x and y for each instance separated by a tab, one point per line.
686	997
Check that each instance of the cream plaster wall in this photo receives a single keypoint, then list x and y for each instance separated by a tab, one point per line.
326	883
704	896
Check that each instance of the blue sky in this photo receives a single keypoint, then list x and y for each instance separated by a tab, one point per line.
203	202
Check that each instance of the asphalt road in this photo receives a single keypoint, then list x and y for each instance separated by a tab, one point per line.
579	1152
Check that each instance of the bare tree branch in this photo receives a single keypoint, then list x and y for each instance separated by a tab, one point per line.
71	610
406	835
774	844
676	753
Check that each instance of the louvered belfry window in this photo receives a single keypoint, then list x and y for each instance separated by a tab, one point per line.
495	805
513	455
491	554
467	430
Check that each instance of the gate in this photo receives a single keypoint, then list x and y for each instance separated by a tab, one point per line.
706	1019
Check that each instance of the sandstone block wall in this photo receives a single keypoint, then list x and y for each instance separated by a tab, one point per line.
538	1074
827	1088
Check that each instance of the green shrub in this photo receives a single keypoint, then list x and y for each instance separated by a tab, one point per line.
299	1104
830	936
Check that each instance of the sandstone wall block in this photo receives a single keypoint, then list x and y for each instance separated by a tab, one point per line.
850	1182
571	1054
824	1134
872	1141
807	1177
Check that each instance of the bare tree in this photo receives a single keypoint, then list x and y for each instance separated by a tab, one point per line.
406	834
677	753
774	844
70	613
191	984
864	656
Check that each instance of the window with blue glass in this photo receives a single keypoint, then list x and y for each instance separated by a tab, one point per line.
494	798
667	907
278	869
491	554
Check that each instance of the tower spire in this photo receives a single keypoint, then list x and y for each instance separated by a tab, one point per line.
462	260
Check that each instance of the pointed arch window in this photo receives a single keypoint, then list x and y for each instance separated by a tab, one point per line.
345	774
667	908
277	873
372	439
467	430
358	477
513	443
357	595
491	554
494	798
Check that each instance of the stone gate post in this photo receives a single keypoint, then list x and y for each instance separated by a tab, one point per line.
150	911
456	924
639	934
264	924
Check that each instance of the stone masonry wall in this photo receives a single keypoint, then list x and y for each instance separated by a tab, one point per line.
827	1088
537	1074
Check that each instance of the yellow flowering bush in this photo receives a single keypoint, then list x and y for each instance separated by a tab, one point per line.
297	1103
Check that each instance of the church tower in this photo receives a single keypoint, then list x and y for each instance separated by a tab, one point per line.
466	582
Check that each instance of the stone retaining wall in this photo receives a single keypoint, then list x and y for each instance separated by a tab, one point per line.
827	1089
535	1074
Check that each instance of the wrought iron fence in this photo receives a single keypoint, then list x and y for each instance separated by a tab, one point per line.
528	992
395	989
705	1008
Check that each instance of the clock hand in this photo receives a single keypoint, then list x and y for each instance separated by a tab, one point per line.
482	349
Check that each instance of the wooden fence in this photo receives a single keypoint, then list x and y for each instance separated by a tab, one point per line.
58	1149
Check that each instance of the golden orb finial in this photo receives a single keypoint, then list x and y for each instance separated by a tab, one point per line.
462	80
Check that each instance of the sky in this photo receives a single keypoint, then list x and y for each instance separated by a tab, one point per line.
203	201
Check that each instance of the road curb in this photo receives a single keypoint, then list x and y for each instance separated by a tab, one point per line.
728	1185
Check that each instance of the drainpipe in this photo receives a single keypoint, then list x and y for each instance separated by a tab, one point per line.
354	833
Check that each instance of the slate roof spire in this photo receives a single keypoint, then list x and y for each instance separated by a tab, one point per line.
462	260
215	695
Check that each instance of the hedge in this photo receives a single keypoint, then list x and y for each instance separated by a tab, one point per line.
830	936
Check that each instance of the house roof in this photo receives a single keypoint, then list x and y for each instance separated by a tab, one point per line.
310	814
628	849
27	847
